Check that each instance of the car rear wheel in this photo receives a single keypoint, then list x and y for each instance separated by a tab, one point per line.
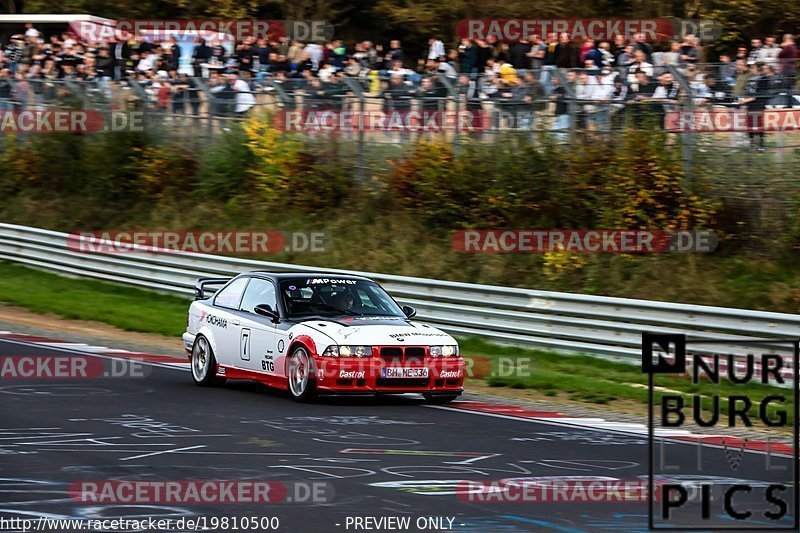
300	374
439	399
204	364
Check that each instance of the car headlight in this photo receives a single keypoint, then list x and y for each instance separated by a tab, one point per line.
348	351
444	351
450	350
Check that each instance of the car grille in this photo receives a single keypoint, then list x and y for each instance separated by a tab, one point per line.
403	354
391	353
415	351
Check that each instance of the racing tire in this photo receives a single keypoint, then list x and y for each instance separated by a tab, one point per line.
301	383
439	399
204	364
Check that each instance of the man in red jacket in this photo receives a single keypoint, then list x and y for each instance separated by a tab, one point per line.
787	59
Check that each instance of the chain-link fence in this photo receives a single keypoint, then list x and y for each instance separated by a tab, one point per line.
737	124
562	104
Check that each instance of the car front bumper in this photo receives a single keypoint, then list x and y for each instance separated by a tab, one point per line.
435	375
188	342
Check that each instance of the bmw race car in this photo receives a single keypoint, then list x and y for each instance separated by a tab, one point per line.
317	334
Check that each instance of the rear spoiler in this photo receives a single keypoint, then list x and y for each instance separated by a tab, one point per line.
200	286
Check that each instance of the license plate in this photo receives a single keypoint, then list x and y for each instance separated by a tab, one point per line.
394	372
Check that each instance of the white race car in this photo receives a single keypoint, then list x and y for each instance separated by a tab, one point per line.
318	334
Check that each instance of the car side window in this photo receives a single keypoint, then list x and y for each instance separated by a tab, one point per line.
260	291
231	295
366	302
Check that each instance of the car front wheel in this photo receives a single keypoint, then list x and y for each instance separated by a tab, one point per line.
300	374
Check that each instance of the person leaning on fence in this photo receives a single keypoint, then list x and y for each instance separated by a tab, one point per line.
787	60
665	96
639	64
530	97
619	97
603	94
774	85
639	94
180	87
336	91
756	100
313	95
397	95
585	95
503	97
163	89
192	94
245	99
743	74
469	93
429	96
727	69
562	119
223	95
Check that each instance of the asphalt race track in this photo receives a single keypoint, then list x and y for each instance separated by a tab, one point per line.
370	454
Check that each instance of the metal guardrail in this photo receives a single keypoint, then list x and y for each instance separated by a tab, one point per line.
595	325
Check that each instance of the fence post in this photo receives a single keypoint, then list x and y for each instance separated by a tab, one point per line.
452	92
687	146
201	85
358	91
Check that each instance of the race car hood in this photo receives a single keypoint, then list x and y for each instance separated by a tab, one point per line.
380	331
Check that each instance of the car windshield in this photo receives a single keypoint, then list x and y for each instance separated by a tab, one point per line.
336	297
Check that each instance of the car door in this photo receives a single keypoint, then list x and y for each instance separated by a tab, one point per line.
225	323
258	336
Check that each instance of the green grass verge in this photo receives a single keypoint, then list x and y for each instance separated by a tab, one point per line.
592	380
124	307
581	378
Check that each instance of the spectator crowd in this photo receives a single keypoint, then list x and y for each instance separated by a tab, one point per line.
588	85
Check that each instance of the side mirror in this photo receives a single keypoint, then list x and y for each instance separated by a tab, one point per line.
267	311
409	311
